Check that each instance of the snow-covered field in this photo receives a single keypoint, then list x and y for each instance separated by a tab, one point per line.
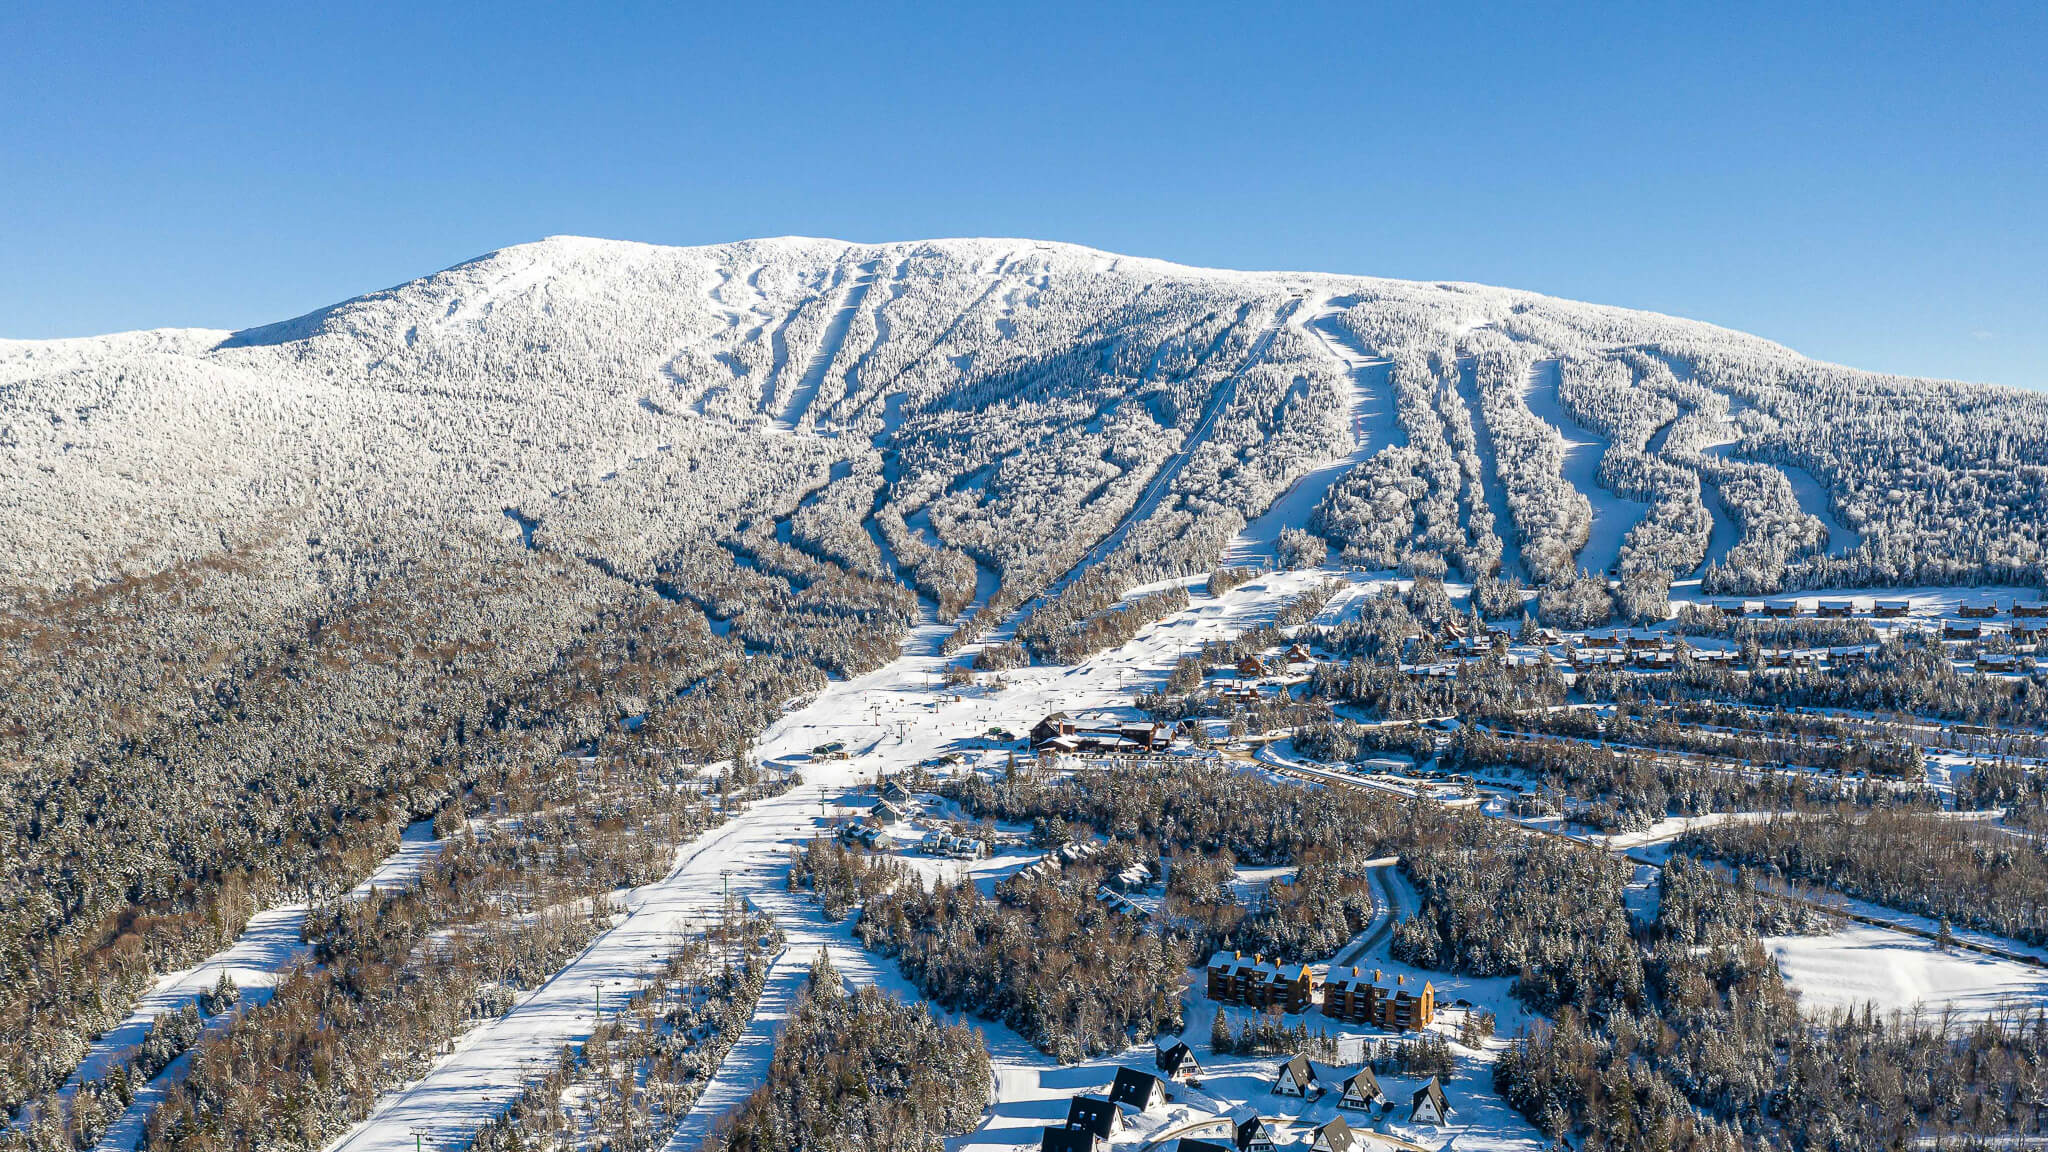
1902	973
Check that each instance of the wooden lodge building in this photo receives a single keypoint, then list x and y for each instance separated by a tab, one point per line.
1347	995
1259	983
1358	1000
1061	732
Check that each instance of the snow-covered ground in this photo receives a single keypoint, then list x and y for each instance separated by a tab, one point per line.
1894	971
488	1065
268	946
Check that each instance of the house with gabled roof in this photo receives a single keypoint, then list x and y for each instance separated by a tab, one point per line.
1429	1105
1255	1134
1361	1092
1140	1090
1095	1116
1297	1078
1069	1140
1336	1136
1177	1062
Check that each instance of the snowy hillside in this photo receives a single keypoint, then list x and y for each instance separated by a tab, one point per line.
1010	400
614	575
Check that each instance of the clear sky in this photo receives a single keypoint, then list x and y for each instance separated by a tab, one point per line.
1863	183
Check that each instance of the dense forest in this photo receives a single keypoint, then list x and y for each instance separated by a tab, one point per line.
856	1069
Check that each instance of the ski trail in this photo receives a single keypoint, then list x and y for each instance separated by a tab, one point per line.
1369	414
806	933
267	948
828	348
1613	515
1148	500
1495	492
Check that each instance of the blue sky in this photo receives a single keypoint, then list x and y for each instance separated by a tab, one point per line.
1864	183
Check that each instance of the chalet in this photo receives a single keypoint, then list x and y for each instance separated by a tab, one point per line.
1601	642
1254	1134
2023	634
1746	608
1838	609
1061	732
1251	668
1140	1090
1977	611
1994	662
1095	1116
1358	1000
1893	609
1962	631
898	795
1646	643
1783	608
1429	1105
1258	983
1241	694
1299	654
1362	1092
1843	657
958	847
2029	611
1177	1063
1336	1136
1655	661
1119	903
1069	1140
1297	1078
885	814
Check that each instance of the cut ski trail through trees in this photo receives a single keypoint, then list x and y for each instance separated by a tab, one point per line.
1613	515
491	1063
1369	414
1148	499
829	341
268	946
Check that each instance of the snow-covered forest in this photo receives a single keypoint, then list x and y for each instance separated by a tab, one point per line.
267	596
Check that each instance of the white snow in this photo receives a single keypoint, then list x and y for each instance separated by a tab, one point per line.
1862	964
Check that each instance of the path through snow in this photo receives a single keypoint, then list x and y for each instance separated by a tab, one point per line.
1613	515
1369	414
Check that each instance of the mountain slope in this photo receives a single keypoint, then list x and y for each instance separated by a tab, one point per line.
1013	386
265	596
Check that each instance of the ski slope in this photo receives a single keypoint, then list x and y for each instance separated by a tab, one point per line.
1613	514
488	1066
1369	414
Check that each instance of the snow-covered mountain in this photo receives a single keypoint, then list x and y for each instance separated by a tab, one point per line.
1011	399
268	596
